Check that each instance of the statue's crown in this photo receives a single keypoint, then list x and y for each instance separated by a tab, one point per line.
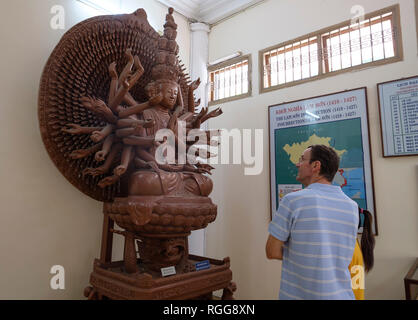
166	66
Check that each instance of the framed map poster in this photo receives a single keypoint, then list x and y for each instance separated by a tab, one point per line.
398	107
338	120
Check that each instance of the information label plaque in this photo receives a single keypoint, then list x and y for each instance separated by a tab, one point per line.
398	107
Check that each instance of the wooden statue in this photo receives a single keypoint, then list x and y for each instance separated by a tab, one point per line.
110	86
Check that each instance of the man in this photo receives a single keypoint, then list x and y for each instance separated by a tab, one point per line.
314	232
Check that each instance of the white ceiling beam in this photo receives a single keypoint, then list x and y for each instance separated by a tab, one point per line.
209	11
186	8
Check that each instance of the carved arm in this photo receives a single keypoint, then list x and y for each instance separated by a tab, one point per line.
82	153
77	129
191	102
101	155
99	107
97	136
127	84
113	82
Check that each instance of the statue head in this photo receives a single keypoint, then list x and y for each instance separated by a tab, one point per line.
169	90
165	73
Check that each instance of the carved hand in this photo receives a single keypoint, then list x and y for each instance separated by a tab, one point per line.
112	71
128	54
97	136
195	84
140	69
119	170
74	129
95	171
79	154
154	100
216	113
99	107
198	120
92	104
87	102
201	170
197	103
108	181
171	167
132	78
204	168
213	114
100	156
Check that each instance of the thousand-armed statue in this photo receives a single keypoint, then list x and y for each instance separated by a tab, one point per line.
110	90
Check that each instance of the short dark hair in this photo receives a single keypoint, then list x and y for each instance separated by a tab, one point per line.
328	158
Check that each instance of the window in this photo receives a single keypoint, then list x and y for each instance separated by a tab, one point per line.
292	62
360	43
230	80
374	40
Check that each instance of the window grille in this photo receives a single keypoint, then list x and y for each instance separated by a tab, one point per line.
230	80
360	43
372	41
292	62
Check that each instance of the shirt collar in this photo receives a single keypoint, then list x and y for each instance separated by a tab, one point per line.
324	187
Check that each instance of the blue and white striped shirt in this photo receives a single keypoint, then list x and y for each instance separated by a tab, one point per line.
318	226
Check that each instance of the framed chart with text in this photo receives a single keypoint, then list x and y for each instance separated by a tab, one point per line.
338	120
398	107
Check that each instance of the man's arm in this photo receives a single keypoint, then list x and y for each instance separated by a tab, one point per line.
274	248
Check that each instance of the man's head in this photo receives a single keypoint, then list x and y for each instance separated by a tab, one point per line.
318	163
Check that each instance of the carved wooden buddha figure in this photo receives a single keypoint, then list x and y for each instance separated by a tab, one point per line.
126	143
108	88
170	179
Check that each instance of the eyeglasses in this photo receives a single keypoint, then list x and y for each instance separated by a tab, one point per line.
301	159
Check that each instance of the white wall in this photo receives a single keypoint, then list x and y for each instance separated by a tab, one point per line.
45	221
240	230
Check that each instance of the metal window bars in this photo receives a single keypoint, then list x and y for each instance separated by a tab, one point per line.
346	46
229	81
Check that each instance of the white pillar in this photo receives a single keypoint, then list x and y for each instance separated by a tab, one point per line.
199	58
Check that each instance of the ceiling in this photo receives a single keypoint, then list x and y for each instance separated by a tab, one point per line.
209	11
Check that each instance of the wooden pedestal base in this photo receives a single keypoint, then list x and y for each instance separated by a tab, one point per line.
136	281
112	282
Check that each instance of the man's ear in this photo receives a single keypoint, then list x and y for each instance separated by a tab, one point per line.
317	165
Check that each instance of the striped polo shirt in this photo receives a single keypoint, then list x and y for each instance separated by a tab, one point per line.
318	226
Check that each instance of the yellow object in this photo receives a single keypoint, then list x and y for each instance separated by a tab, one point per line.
356	268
